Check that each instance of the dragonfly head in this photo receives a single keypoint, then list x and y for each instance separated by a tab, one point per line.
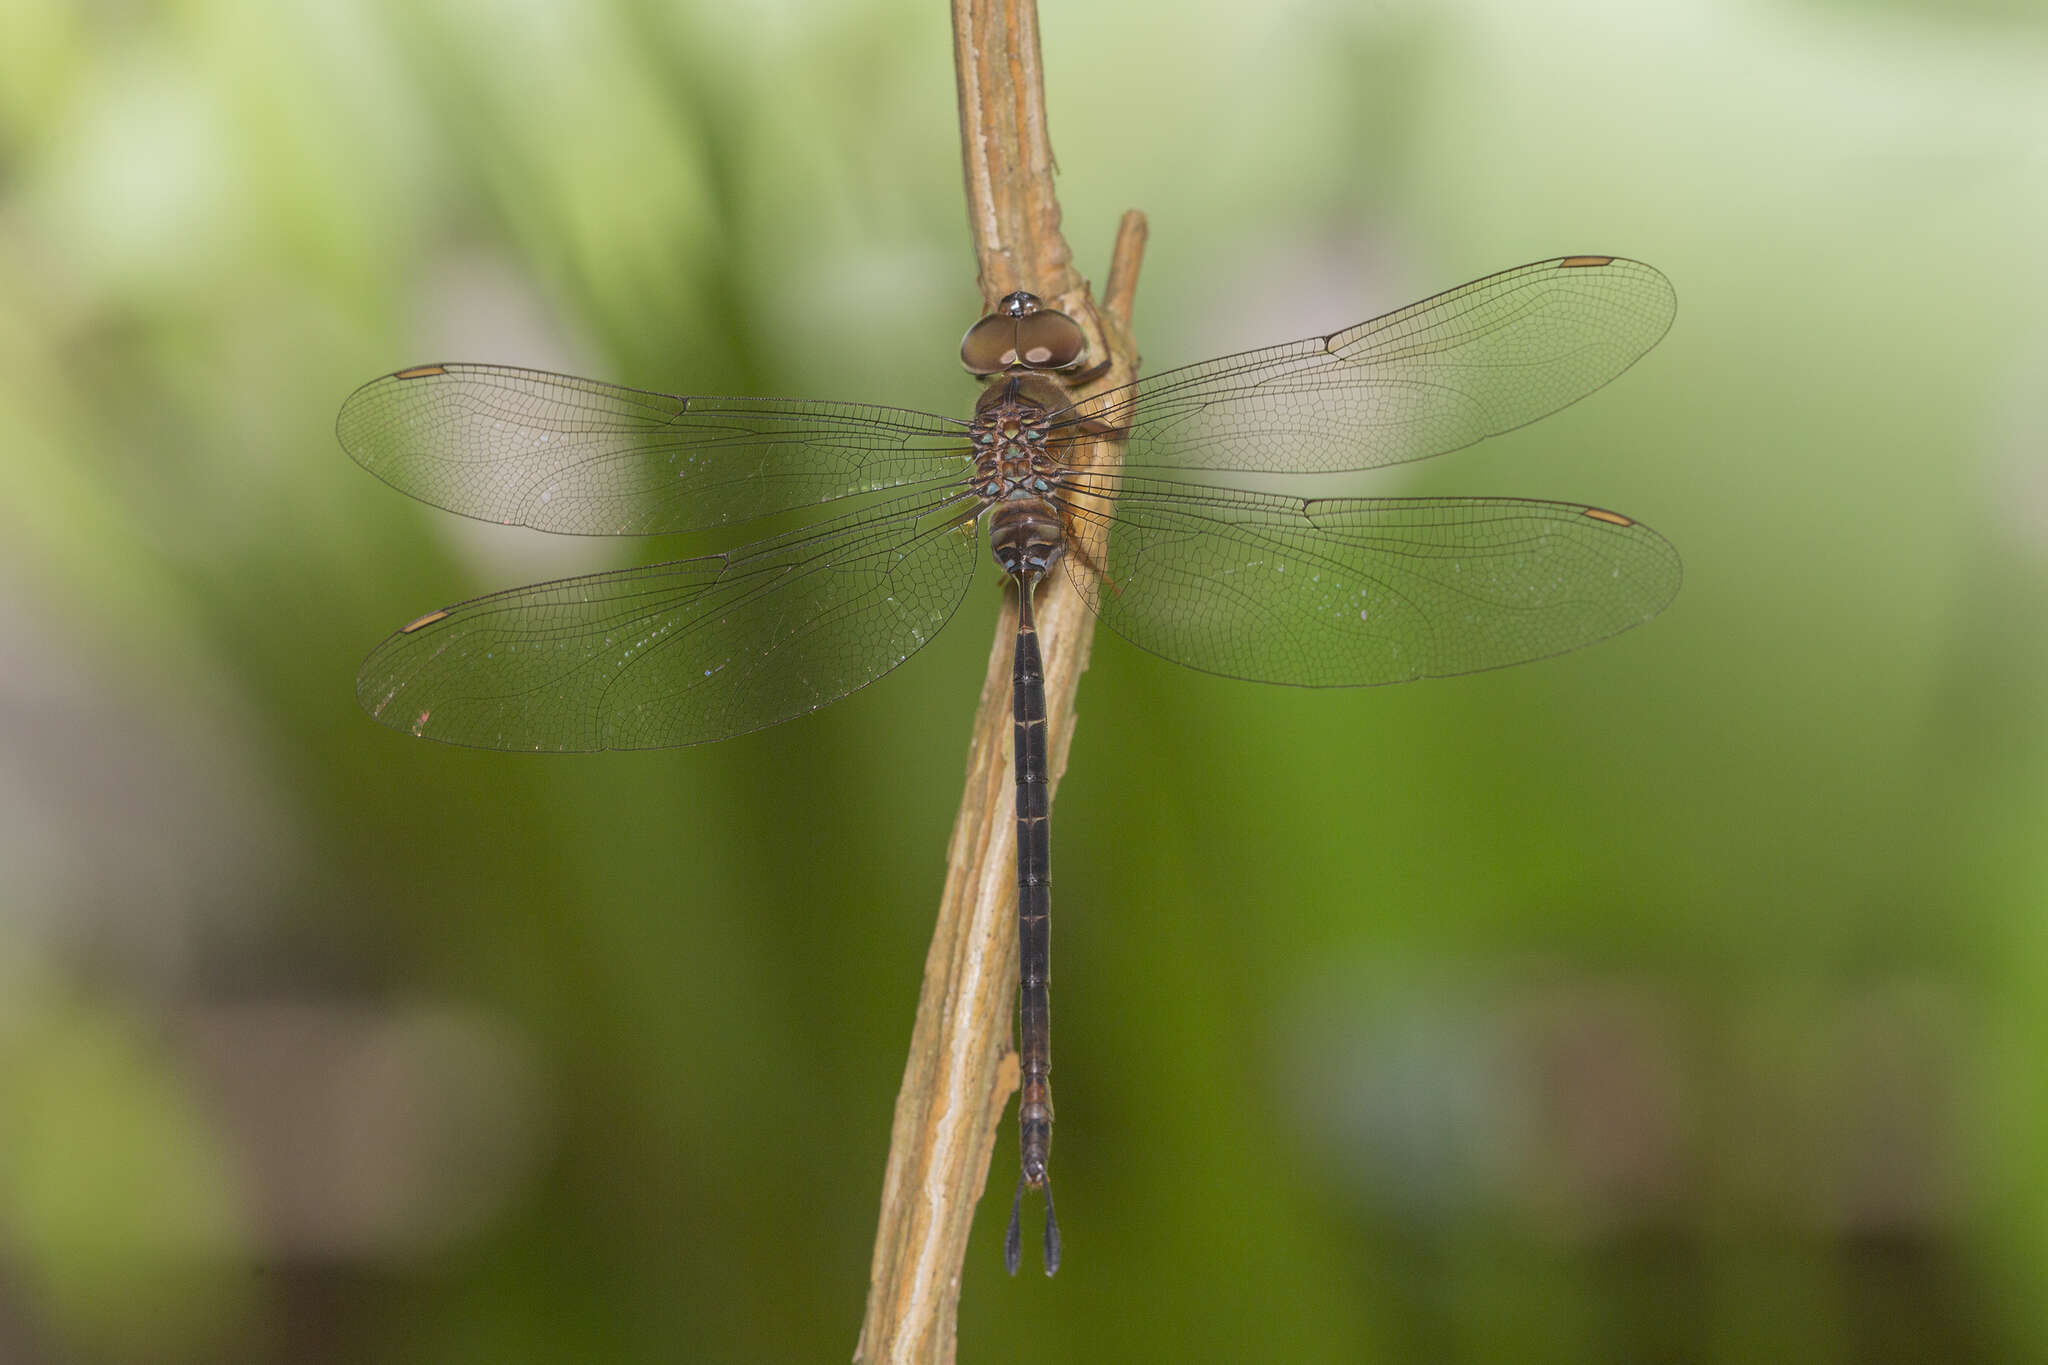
1022	334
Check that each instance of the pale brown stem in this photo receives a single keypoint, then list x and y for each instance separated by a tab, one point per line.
962	1069
1120	294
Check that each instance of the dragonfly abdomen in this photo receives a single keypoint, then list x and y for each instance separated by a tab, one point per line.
1034	922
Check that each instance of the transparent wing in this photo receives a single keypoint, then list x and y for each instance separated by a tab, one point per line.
1346	592
527	448
1432	377
686	652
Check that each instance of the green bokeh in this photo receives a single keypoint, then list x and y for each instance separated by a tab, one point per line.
1678	1000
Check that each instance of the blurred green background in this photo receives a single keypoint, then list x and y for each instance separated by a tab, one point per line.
1679	1000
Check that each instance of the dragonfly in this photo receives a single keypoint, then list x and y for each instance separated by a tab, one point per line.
1129	492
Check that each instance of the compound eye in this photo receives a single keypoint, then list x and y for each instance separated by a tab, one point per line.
990	345
1049	341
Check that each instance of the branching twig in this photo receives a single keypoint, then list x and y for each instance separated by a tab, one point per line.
961	1069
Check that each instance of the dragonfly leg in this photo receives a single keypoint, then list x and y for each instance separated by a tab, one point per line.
1085	434
1077	546
1089	375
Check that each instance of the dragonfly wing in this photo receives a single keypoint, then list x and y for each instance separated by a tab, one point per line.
527	448
684	652
1435	376
1348	592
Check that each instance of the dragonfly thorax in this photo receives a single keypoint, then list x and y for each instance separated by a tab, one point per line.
1011	457
1016	474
